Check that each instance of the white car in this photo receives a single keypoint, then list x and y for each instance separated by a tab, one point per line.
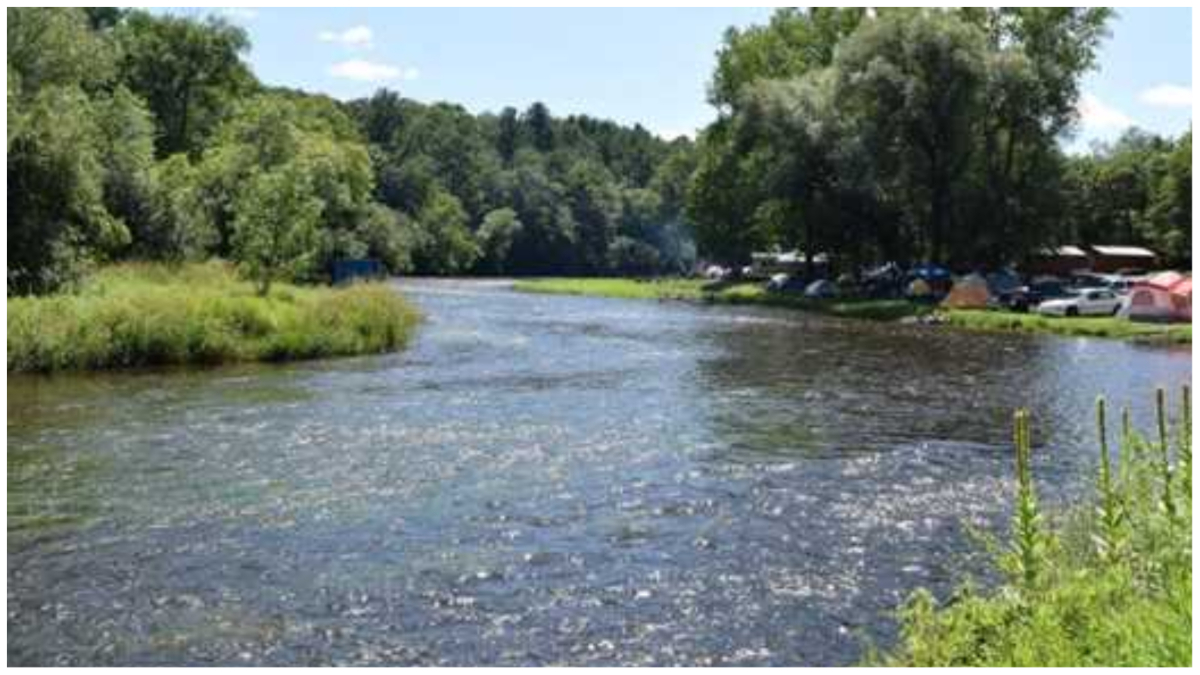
1086	302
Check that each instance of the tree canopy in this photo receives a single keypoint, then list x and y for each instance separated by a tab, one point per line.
870	135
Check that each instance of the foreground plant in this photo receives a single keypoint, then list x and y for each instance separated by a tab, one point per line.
1106	585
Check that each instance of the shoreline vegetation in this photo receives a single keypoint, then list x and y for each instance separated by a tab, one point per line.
153	314
748	293
1106	583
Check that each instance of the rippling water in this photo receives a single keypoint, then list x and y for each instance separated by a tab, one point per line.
538	480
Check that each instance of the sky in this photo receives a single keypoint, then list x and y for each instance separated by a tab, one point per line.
649	66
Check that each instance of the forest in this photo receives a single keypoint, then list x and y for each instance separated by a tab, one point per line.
906	135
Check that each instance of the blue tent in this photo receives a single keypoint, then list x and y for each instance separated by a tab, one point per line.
348	270
930	273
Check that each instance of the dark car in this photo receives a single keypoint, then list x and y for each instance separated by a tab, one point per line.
1024	298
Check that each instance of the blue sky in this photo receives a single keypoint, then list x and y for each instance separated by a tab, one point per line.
635	65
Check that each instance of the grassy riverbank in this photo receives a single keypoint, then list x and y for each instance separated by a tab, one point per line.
700	290
746	293
1108	584
1108	327
150	314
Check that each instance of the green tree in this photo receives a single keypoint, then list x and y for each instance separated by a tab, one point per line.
496	235
448	246
1170	210
914	80
55	47
126	152
178	227
794	42
189	72
57	220
275	231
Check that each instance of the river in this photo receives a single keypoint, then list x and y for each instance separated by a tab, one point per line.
538	480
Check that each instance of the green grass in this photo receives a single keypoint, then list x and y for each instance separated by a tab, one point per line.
748	293
1107	327
739	293
143	314
1106	584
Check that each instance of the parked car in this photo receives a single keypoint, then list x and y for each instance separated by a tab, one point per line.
1087	302
1023	298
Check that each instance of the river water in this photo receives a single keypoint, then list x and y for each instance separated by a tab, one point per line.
538	480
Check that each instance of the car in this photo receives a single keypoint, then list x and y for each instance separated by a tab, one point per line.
1087	302
1023	298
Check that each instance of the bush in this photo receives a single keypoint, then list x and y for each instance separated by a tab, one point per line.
142	314
1105	585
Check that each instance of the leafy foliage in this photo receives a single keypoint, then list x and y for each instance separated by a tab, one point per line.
914	135
1106	585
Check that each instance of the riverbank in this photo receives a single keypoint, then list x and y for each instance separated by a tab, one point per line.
746	293
1107	584
141	314
739	293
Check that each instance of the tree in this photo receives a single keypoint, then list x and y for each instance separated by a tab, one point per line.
55	47
915	80
596	208
57	221
178	227
275	231
538	126
448	247
508	131
632	257
126	152
794	42
189	72
496	235
793	123
1170	211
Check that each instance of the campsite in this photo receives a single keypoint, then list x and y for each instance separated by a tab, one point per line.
609	336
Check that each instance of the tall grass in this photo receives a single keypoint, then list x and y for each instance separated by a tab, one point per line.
1106	585
143	314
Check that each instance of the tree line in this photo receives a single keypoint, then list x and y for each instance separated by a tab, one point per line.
924	135
906	135
147	136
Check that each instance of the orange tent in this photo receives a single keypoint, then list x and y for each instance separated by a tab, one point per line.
1163	297
969	292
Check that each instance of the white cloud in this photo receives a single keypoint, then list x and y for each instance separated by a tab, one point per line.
369	71
356	37
1167	96
1096	114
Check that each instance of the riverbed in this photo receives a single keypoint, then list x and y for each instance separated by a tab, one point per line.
539	480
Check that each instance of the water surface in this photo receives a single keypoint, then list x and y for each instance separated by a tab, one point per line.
538	480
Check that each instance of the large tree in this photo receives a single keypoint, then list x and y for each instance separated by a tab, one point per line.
190	73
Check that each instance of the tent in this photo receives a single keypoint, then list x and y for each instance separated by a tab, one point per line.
821	288
1003	281
969	292
1181	296
1162	297
919	288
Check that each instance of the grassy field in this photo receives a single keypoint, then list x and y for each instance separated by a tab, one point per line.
1108	584
149	314
746	293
